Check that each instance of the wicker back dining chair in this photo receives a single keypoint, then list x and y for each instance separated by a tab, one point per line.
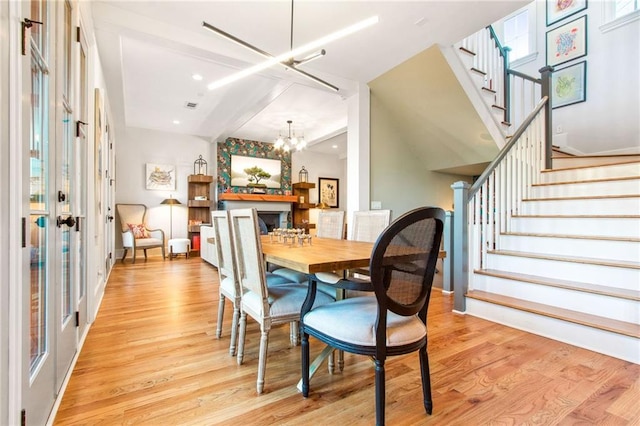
330	224
402	266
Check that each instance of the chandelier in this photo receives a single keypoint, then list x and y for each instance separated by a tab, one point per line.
291	141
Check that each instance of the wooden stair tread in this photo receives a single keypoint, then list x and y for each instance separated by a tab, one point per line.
573	237
584	197
578	216
631	161
614	326
621	293
465	50
501	108
486	89
476	70
613	179
573	259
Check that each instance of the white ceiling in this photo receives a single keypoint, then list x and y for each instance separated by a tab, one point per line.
150	50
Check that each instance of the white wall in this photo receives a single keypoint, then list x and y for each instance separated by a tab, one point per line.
608	121
134	149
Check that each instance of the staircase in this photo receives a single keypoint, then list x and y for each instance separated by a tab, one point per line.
549	246
569	266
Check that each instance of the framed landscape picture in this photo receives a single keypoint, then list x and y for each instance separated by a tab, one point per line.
557	10
567	42
328	191
569	85
253	172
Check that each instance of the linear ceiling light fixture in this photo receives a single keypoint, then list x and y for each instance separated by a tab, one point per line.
287	58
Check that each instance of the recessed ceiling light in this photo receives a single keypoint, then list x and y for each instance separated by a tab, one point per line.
334	146
176	121
196	77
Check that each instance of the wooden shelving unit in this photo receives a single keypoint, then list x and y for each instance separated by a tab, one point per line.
301	210
199	210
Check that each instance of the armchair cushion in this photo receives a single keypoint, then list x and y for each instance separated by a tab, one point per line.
138	230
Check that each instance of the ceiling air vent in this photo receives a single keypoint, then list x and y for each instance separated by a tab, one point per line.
190	105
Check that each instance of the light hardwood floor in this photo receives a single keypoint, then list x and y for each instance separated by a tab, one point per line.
152	357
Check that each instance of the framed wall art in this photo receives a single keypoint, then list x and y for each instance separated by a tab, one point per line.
161	176
557	10
329	191
253	172
567	42
569	85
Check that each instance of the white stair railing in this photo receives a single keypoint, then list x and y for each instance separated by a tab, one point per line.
516	92
484	210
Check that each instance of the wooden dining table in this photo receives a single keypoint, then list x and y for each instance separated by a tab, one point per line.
318	255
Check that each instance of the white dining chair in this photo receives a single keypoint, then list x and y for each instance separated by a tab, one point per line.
229	287
267	305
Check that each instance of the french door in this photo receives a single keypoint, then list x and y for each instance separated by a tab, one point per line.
53	235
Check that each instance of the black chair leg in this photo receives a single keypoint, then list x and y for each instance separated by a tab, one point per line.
380	391
426	380
305	363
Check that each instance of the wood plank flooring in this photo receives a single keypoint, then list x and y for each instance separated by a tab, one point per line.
152	358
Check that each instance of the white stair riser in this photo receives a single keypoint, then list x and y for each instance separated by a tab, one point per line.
602	206
612	171
466	58
583	189
594	304
612	344
607	227
478	79
626	278
599	249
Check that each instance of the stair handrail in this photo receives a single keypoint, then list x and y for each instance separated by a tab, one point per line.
505	149
483	210
504	52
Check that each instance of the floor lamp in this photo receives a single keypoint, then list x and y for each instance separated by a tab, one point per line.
171	202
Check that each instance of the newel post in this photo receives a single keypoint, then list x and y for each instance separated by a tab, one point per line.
545	76
460	245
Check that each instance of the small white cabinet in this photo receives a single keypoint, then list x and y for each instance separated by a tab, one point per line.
208	251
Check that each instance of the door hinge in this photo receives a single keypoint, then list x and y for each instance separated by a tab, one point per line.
24	232
23	417
77	318
78	34
109	255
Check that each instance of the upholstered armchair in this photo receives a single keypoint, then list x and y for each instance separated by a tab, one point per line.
135	234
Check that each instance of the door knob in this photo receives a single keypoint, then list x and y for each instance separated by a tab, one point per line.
69	221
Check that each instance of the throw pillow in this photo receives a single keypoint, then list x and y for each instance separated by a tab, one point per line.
139	231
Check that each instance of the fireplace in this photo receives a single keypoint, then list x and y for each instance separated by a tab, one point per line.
275	214
271	219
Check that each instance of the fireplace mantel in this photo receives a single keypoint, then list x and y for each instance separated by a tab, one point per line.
230	196
263	203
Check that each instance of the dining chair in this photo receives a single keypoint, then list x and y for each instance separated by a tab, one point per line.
330	224
267	305
135	233
364	226
229	287
394	322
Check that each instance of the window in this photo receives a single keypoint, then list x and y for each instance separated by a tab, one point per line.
618	13
516	35
624	7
